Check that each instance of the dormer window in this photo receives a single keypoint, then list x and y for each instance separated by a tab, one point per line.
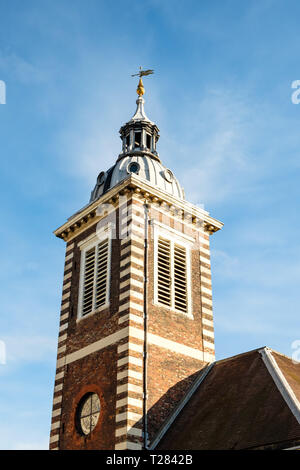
137	139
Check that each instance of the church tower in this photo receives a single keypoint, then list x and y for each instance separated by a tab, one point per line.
136	321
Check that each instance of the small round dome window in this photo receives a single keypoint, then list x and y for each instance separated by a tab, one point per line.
133	167
168	175
88	412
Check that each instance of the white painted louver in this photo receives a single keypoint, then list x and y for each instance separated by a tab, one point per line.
88	282
95	278
102	271
164	271
180	294
172	275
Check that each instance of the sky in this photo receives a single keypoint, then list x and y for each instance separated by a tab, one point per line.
221	97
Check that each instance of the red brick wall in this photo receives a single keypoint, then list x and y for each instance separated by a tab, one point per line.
169	377
94	373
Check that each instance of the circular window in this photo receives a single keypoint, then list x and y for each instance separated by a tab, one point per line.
133	167
88	413
168	175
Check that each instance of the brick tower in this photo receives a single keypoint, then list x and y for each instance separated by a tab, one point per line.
136	321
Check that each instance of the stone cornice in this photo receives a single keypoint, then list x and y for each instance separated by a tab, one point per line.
142	189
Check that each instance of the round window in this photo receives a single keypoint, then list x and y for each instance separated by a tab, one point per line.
133	167
168	175
88	413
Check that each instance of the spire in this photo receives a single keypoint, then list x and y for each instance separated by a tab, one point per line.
139	135
140	114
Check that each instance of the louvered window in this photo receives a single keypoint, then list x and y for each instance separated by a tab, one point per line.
180	293
88	283
95	277
164	271
172	274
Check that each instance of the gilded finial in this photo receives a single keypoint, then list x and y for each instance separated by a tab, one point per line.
140	89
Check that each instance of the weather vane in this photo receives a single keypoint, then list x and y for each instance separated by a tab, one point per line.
140	89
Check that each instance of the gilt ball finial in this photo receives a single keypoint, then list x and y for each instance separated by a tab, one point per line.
140	89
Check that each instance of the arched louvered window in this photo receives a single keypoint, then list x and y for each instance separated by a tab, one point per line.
95	274
172	274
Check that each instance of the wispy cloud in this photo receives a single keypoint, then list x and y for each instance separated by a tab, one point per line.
21	69
255	287
20	349
218	146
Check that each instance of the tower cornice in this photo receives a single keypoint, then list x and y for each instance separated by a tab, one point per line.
88	215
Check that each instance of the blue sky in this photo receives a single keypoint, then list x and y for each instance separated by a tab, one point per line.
221	96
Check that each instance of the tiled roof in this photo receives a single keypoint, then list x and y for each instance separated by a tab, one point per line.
243	402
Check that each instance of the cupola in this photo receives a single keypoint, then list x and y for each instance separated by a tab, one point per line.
139	156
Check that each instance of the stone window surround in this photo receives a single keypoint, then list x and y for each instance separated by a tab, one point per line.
183	240
85	245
